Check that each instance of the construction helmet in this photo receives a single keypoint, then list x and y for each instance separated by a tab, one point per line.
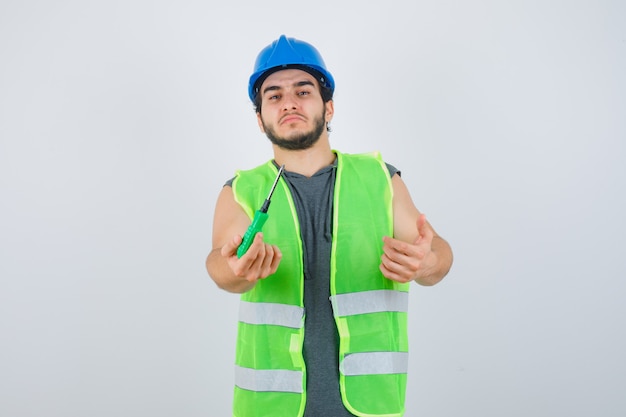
286	53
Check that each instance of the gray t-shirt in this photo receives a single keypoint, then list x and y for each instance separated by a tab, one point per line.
313	198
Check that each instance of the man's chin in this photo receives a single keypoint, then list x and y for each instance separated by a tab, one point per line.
295	143
296	139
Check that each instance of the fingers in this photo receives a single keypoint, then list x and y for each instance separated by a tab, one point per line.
392	275
270	261
251	262
404	262
399	251
395	271
266	263
260	261
400	261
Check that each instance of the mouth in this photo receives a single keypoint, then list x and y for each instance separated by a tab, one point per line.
291	118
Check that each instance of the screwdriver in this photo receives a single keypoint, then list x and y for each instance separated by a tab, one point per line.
260	216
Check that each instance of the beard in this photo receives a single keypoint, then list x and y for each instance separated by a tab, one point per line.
299	141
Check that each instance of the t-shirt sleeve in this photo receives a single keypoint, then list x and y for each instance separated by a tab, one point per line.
229	183
393	170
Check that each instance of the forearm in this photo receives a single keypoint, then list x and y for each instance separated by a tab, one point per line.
441	262
223	276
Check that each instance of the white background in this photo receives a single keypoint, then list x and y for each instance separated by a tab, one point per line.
121	120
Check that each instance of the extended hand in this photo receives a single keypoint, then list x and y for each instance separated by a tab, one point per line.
405	262
260	261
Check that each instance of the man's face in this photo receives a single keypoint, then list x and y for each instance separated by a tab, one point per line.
293	114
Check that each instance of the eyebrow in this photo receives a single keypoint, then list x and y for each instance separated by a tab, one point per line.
297	84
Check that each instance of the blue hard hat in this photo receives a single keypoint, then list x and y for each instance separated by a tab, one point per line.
286	53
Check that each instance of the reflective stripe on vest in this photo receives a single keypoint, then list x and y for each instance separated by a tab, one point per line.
375	363
364	302
276	380
271	313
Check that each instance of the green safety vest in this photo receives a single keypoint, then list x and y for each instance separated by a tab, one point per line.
370	310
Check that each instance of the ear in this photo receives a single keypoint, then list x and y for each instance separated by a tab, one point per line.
330	111
259	120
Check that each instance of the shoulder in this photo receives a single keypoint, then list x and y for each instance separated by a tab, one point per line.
371	156
259	171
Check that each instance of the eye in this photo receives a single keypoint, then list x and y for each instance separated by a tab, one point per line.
304	93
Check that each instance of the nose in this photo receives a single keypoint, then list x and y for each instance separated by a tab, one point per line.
290	102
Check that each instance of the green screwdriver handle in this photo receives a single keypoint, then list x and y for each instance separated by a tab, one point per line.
248	237
260	216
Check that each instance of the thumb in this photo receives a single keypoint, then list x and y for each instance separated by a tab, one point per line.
230	248
423	230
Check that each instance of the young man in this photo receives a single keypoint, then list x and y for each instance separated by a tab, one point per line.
324	288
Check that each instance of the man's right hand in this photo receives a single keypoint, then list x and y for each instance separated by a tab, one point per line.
229	272
260	261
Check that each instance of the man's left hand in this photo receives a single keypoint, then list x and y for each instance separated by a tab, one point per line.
405	262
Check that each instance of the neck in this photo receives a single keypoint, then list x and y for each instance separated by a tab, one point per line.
308	161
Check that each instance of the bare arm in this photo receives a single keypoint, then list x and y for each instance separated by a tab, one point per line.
416	252
229	272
